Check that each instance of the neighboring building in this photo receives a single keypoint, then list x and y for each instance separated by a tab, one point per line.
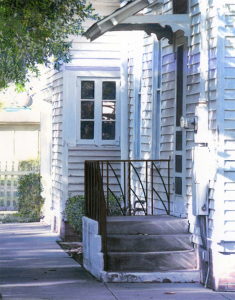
85	103
180	63
20	141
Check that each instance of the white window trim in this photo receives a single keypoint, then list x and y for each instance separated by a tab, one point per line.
98	112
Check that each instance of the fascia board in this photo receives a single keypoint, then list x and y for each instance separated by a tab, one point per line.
176	22
115	18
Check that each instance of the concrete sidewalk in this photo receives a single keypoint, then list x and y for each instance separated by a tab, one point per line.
33	266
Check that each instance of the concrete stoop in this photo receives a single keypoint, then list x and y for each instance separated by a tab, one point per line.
184	276
141	249
149	244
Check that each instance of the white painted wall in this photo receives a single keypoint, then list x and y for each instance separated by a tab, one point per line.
45	159
98	59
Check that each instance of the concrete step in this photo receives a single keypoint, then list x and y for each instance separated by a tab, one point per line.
152	225
154	277
152	261
148	243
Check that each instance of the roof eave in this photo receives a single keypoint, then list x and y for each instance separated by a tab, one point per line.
106	24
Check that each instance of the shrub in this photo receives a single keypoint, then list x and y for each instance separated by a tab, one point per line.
29	164
114	208
30	201
74	211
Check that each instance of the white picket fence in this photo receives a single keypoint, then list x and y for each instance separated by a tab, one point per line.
9	176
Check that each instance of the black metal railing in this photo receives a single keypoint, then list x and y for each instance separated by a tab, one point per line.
125	187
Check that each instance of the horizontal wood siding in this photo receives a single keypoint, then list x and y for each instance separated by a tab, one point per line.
167	104
76	158
57	139
103	53
229	125
192	97
146	98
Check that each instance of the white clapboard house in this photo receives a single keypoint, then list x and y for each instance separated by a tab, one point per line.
81	115
177	96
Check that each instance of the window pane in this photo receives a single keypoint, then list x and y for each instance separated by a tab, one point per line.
87	130
178	163
108	110
180	6
109	90
87	110
87	89
178	185
108	130
178	146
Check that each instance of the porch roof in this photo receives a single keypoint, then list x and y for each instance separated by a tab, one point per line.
125	19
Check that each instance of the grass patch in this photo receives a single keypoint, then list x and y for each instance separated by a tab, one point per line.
12	217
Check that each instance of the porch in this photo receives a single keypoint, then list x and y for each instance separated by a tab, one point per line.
135	244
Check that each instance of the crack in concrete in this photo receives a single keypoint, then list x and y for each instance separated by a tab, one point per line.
225	297
110	291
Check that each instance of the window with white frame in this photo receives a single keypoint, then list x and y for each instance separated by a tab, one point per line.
98	111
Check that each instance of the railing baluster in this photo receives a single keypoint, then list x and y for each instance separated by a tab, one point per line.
146	171
93	186
107	189
129	187
124	200
152	186
91	195
85	187
169	203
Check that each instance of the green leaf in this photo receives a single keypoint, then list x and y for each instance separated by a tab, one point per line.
31	32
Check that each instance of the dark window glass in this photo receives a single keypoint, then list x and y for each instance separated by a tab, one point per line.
178	185
87	89
87	110
178	145
108	110
108	130
109	90
87	130
180	6
178	163
179	93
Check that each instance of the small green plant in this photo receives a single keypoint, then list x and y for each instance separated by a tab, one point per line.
30	201
114	205
74	211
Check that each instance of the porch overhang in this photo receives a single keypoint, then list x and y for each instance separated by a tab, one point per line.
124	19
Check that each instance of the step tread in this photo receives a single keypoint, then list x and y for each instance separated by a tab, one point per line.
185	275
187	234
157	218
147	225
151	252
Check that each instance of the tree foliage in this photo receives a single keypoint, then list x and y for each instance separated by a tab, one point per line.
33	31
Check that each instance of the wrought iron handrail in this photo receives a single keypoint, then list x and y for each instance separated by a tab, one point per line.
95	207
98	179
